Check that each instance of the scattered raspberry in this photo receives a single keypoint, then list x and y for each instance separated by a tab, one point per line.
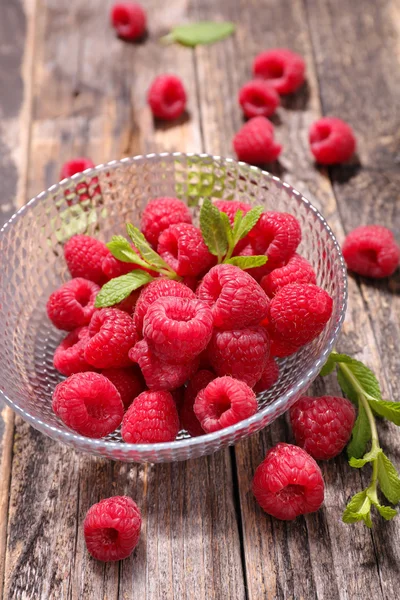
298	313
322	426
188	419
254	142
89	404
69	356
224	402
332	141
112	334
296	270
288	483
76	165
177	328
72	305
269	377
154	290
236	300
112	528
152	418
167	97
129	20
160	375
277	235
84	256
230	207
129	383
241	353
371	251
283	69
258	98
183	248
159	214
282	348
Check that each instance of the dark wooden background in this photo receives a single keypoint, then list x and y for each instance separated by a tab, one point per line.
68	87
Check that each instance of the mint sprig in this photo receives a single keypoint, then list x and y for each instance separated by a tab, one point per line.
119	288
202	32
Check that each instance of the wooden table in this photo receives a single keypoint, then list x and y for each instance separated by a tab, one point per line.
68	88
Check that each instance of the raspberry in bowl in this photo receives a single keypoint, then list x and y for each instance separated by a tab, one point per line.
28	339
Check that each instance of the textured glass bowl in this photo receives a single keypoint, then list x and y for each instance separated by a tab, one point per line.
99	202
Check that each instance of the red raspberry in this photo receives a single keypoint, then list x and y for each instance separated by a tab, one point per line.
258	98
236	300
296	270
277	235
167	97
183	248
322	426
282	348
129	383
224	402
288	483
254	142
159	214
230	207
89	404
269	377
178	397
84	190
332	141
152	418
242	353
112	334
188	419
128	305
112	528
371	251
177	328
160	375
282	68
298	313
84	256
69	357
129	20
72	305
158	289
76	165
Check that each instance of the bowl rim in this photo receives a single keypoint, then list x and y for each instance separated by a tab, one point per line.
229	432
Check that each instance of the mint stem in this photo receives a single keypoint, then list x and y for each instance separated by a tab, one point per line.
374	432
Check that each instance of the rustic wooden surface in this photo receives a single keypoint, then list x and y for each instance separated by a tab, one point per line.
69	87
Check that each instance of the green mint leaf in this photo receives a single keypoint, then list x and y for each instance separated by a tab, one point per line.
119	288
248	222
360	379
203	32
387	512
385	408
358	509
388	478
146	251
247	262
236	224
121	249
213	229
227	226
368	457
333	359
360	435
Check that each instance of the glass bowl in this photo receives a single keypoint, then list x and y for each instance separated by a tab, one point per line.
99	202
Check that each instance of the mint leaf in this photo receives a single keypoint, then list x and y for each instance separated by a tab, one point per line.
248	222
213	229
203	32
360	379
227	226
247	262
119	288
360	435
385	408
387	512
388	478
146	251
121	249
358	509
333	359
236	224
368	457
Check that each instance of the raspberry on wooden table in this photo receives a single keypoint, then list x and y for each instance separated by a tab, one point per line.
258	98
254	142
183	248
167	97
76	165
188	419
129	383
296	270
112	335
371	251
152	418
322	426
72	305
129	20
282	68
89	404
332	141
69	357
159	214
84	256
269	376
277	235
224	402
112	528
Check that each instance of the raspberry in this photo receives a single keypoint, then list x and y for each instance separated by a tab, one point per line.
129	383
72	305
129	20
152	418
296	270
154	290
83	190
254	142
183	248
160	375
331	140
371	251
167	97
269	376
298	313
236	300
258	98
322	426
89	404
159	214
84	256
178	397
178	327
283	69
128	304
241	353
277	235
282	348
112	334
224	402
288	483
112	528
76	165
188	419
230	207
69	357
